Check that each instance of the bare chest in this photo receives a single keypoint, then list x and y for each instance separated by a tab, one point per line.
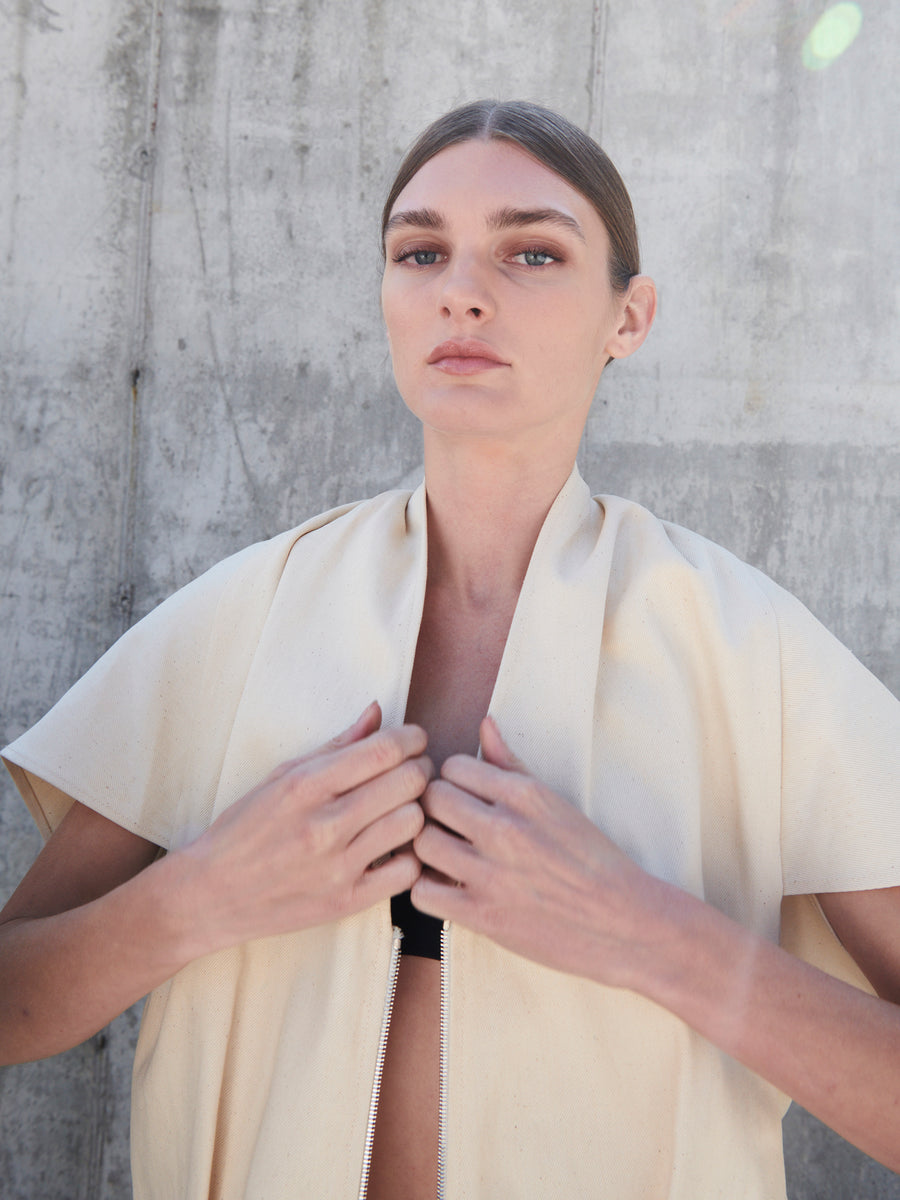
457	659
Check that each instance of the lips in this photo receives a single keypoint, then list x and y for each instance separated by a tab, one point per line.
465	357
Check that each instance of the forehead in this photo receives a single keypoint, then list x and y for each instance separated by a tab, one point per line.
476	178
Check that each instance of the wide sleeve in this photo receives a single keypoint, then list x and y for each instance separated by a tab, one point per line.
840	796
160	701
840	763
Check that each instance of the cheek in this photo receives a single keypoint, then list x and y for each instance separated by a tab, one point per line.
573	334
386	313
397	314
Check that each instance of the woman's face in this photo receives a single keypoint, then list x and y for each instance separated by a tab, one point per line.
496	295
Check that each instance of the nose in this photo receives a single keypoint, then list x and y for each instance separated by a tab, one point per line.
465	291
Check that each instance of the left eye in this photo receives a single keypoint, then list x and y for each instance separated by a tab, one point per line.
535	257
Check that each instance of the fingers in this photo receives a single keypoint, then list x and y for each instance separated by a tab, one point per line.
490	784
394	875
438	897
349	766
386	834
496	777
368	721
494	750
462	812
370	801
444	852
357	754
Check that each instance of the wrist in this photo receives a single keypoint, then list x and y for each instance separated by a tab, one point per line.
698	963
188	915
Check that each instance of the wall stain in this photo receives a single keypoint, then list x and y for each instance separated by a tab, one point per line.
35	13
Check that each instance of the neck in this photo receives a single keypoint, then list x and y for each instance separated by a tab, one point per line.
485	511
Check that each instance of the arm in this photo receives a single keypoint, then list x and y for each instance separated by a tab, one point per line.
541	880
98	921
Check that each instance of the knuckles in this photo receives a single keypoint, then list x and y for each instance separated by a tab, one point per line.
424	840
415	776
318	835
390	747
436	796
384	751
416	821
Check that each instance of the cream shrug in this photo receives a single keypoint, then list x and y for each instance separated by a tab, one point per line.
691	708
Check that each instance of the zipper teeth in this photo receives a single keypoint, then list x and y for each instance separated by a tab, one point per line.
397	938
445	1019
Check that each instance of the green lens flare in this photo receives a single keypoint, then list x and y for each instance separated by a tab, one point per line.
831	35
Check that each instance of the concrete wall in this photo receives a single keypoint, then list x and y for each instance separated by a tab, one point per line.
191	355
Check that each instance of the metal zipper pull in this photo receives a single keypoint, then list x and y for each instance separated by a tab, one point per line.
396	939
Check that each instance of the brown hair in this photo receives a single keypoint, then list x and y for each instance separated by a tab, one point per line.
552	140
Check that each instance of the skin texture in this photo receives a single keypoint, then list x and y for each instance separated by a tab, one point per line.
551	318
482	842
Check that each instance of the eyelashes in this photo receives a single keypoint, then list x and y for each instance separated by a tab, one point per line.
416	253
537	252
428	256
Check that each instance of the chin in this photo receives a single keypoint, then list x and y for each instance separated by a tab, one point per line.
465	410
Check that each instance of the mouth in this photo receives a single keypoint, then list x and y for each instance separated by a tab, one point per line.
465	357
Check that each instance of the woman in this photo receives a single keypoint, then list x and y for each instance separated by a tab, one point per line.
673	745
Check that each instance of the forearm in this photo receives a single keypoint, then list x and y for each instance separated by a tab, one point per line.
63	977
829	1046
92	927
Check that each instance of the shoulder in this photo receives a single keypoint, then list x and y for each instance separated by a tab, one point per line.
667	567
688	580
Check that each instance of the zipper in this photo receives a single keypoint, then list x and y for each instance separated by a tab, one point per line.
445	1022
396	939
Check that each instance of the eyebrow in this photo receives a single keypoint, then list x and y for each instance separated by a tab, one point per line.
513	218
421	218
503	218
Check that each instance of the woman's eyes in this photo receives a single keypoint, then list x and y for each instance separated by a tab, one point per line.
532	256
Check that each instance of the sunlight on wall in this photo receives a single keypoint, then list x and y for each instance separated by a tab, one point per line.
831	35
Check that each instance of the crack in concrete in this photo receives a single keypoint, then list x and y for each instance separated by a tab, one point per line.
122	602
596	86
213	341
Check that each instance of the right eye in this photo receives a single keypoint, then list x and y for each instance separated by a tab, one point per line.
421	257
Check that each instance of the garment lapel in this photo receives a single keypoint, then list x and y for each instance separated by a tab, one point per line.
544	695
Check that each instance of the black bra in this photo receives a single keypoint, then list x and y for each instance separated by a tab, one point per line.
421	932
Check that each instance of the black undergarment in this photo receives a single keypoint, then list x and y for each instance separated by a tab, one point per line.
421	932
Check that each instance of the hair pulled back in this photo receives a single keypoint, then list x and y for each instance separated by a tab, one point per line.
553	141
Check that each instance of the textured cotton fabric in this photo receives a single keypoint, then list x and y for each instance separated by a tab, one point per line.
691	708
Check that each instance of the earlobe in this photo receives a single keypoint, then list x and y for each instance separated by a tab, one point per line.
637	312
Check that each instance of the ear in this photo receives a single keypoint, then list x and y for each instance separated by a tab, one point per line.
637	308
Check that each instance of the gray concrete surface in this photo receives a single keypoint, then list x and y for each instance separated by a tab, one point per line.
191	354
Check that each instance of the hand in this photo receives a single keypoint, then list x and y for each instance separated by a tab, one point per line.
506	856
306	846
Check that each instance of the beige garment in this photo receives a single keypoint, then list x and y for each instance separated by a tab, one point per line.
696	712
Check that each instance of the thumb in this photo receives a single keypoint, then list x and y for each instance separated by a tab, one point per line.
495	751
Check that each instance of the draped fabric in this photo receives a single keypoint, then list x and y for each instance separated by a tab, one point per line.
697	713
